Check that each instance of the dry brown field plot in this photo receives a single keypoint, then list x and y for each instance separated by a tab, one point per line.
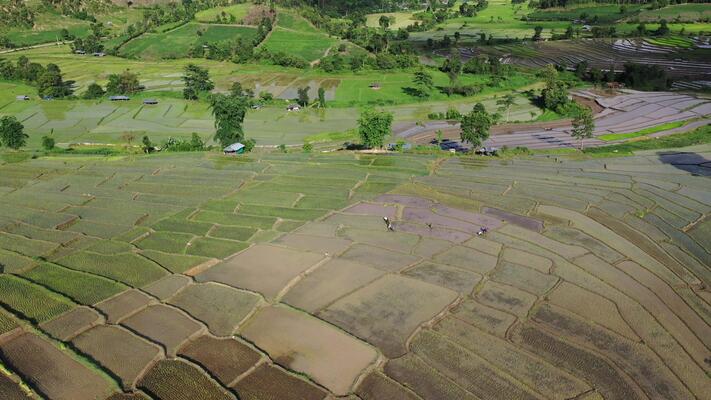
275	276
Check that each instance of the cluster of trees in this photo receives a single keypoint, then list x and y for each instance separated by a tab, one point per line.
636	76
645	77
197	80
48	80
16	14
92	43
124	83
554	96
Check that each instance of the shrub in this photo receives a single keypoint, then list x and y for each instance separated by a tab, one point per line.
47	142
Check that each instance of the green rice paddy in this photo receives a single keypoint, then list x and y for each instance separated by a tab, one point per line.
178	42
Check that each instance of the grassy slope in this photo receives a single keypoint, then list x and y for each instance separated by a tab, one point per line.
48	25
178	42
295	36
239	11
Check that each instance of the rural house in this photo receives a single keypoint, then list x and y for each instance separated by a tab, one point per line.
234	148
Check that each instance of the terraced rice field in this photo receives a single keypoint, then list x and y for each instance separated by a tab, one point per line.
301	291
629	114
603	54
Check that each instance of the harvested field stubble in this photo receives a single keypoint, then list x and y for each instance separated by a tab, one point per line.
269	382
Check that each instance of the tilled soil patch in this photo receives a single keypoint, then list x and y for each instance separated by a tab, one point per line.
53	373
225	359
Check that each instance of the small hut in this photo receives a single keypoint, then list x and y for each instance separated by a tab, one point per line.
22	98
293	107
234	149
374	86
119	98
150	101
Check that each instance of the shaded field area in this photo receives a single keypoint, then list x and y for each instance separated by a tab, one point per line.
315	276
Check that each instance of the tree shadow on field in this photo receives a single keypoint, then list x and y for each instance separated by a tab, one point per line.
693	163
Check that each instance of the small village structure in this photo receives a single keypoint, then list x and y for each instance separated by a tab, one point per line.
119	98
22	98
150	101
234	149
293	107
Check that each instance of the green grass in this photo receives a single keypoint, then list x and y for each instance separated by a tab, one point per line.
643	132
239	11
81	287
699	136
33	302
177	43
295	36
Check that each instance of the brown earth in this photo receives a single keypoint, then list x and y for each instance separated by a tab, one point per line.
52	373
268	382
225	359
177	380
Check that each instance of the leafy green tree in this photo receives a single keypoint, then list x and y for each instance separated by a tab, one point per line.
196	142
384	22
124	83
663	29
12	133
537	31
48	143
505	104
147	145
555	94
453	68
51	84
583	125
307	147
197	80
93	91
374	126
229	112
475	126
303	99
322	97
423	82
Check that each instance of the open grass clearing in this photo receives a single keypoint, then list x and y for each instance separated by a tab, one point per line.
238	11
